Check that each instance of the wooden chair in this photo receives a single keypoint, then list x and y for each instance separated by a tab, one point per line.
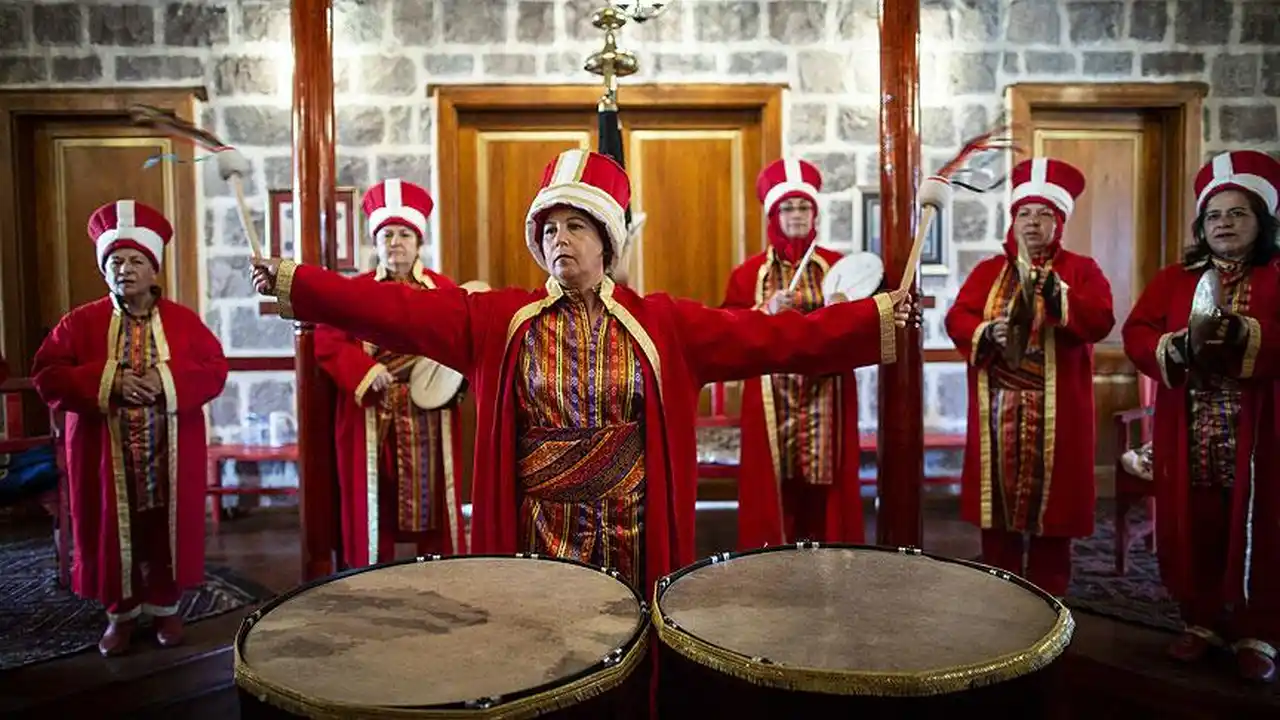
1132	489
13	392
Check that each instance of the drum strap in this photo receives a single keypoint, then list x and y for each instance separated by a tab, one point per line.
581	464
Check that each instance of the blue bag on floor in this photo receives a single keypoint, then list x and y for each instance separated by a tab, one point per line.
27	475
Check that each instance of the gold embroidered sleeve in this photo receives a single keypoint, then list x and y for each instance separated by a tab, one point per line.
1163	359
975	345
105	385
888	330
284	286
1252	345
367	380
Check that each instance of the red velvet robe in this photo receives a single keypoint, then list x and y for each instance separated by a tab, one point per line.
73	371
684	346
352	366
1254	554
760	512
1069	489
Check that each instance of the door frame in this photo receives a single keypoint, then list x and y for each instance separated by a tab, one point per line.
1181	105
453	100
15	170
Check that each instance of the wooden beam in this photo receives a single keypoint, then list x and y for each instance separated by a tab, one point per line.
314	193
900	454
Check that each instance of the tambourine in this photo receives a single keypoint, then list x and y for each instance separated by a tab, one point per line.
856	276
432	385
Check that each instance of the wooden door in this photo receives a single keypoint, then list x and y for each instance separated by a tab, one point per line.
1117	222
79	167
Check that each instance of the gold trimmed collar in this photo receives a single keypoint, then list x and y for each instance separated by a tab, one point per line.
417	272
117	301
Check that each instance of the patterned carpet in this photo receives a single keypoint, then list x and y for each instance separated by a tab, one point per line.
41	621
1138	597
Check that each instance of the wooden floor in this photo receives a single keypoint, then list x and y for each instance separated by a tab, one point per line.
1112	670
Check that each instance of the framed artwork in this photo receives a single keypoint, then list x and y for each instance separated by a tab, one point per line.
280	242
931	255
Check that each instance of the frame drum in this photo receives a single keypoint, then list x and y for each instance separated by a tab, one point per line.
459	637
813	630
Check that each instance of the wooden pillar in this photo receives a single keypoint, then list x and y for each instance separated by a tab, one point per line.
900	454
314	197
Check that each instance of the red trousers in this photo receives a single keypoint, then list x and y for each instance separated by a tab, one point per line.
804	510
154	591
1207	606
1048	559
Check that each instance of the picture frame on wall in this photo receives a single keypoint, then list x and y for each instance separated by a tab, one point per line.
280	242
932	255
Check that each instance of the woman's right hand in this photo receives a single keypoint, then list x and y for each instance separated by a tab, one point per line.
264	275
999	331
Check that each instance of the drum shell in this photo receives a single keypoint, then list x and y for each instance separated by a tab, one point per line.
697	679
622	689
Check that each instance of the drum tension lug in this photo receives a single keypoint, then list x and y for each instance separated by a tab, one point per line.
482	703
762	661
613	658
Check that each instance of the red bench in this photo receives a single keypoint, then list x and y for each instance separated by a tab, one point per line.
243	453
13	391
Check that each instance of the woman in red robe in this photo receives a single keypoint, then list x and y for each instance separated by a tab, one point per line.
133	372
1215	457
798	476
586	391
397	462
1028	464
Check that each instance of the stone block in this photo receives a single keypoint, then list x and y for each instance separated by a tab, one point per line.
840	230
426	129
935	25
764	62
190	25
795	22
536	22
670	29
970	221
245	75
822	72
808	124
224	411
475	21
1158	64
577	20
726	22
415	24
359	22
1034	22
1108	63
974	121
952	390
250	331
414	168
1049	63
23	70
15	31
443	65
967	260
977	21
277	170
265	22
228	277
388	75
1095	22
233	234
839	170
1010	63
1271	74
858	124
209	228
1235	75
259	125
268	396
58	24
1149	21
937	127
1260	23
972	73
361	125
1248	123
509	64
857	20
1196	22
77	69
685	63
122	25
400	125
141	68
564	63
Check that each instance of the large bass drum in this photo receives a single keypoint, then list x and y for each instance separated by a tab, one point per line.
460	637
854	631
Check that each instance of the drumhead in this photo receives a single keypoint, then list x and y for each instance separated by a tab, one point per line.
468	632
859	620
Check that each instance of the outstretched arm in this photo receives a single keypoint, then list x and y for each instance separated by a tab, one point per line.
1083	312
63	381
434	324
197	371
1156	352
722	345
342	357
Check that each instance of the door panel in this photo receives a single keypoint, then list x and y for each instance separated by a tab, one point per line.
71	184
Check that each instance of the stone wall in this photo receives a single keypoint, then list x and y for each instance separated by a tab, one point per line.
827	51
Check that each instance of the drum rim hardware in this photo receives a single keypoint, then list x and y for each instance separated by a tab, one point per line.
939	681
611	671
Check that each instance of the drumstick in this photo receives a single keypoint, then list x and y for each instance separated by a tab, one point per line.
245	217
909	275
795	279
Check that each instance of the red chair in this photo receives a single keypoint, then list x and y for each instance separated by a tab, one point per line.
1132	488
13	391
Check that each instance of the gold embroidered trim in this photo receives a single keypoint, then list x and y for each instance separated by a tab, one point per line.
171	422
633	326
371	516
875	684
109	369
1062	299
985	503
1050	420
976	341
450	505
888	330
1162	358
284	288
363	386
119	482
1251	349
558	698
